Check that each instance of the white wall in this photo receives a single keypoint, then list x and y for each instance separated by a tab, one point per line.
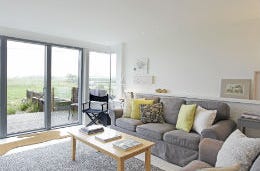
192	61
23	34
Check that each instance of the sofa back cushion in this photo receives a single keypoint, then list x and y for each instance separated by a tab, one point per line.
171	108
156	99
223	110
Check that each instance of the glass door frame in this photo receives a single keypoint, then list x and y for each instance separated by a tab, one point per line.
3	86
47	84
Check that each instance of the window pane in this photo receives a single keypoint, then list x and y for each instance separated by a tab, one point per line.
64	96
114	90
25	78
100	72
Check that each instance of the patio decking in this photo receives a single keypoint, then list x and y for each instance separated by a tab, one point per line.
30	121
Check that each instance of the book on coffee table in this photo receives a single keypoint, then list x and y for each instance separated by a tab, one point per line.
108	136
126	144
92	129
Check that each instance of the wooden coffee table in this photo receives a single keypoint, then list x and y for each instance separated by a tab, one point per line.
108	149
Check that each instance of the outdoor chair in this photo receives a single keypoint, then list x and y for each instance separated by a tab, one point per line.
97	110
74	101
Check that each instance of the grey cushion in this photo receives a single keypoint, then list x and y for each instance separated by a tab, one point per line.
128	123
256	165
196	164
154	130
184	139
171	107
223	110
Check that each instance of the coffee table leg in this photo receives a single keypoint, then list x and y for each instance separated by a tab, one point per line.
73	148
120	165
148	159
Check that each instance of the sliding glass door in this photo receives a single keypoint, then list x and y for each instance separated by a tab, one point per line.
65	86
25	81
40	86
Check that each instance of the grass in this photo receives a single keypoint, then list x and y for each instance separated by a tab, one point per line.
16	90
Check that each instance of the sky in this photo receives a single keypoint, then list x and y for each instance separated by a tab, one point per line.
24	59
99	64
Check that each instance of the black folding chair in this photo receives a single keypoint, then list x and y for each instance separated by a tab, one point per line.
97	109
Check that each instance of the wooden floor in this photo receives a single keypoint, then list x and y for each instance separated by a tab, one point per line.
30	121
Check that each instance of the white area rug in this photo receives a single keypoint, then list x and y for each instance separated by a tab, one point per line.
57	157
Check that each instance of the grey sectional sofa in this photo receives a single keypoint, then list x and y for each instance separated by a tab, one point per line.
172	145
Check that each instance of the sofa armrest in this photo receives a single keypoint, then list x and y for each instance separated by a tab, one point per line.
208	150
220	130
256	164
114	114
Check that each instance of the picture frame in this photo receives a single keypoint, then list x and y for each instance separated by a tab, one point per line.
141	66
256	87
235	88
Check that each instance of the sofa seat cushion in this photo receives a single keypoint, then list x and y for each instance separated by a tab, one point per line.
128	123
184	139
154	130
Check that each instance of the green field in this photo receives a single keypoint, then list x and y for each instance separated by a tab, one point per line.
16	89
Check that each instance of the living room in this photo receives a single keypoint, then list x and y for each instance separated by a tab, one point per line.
190	50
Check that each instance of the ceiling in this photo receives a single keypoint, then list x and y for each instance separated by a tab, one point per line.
110	22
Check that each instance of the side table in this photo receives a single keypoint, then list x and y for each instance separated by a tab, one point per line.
244	123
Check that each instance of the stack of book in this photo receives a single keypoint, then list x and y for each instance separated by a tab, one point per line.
126	144
109	136
92	129
250	116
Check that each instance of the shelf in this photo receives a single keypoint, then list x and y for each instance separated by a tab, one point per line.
232	100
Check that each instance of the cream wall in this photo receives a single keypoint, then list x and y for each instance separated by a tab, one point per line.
190	62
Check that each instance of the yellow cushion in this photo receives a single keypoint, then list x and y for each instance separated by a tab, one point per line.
186	117
135	114
128	107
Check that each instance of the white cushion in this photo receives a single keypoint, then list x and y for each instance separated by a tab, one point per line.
238	149
127	105
203	119
127	108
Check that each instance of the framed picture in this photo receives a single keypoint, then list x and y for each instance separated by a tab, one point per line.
235	88
141	66
257	85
